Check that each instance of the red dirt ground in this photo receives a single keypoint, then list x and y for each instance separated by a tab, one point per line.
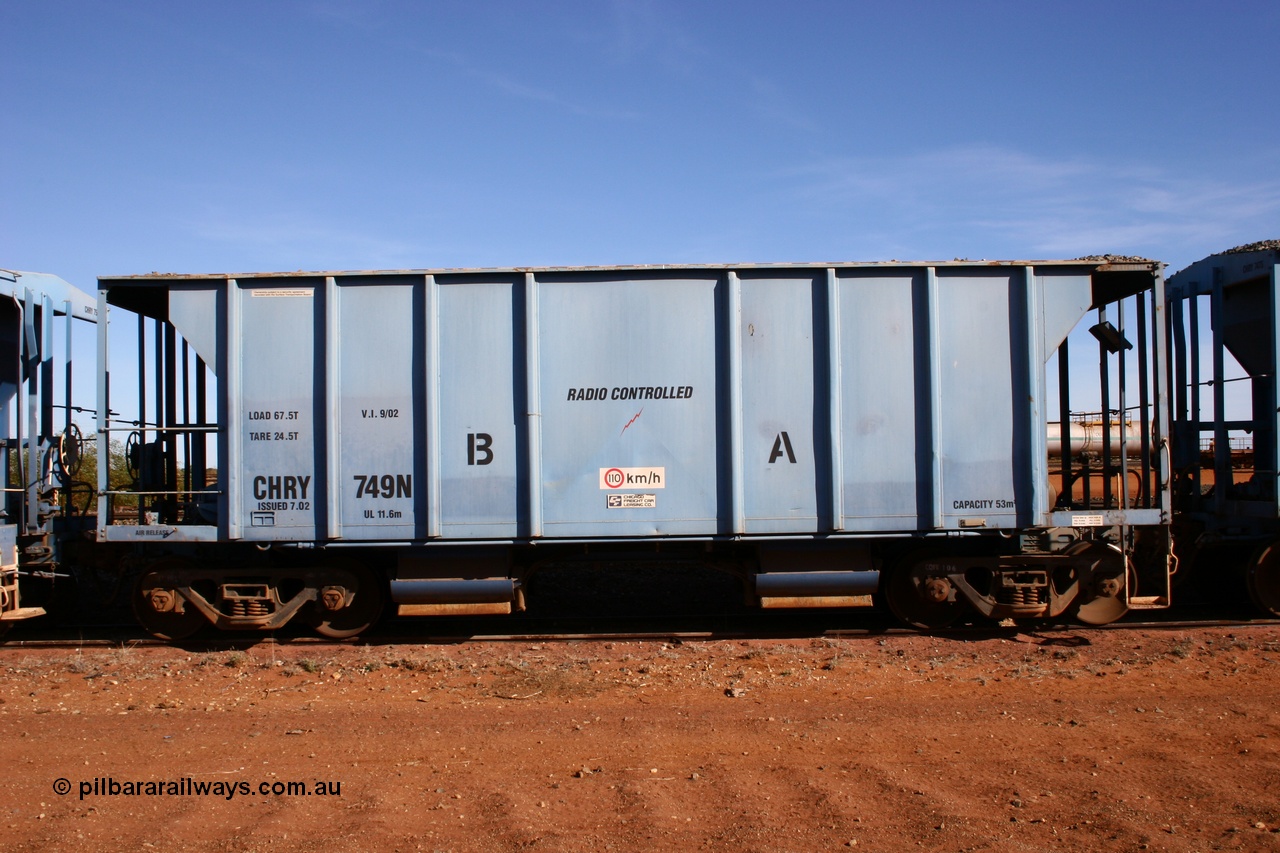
1064	740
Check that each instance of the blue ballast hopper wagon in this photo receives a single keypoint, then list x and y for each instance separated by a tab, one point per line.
310	444
41	442
1227	451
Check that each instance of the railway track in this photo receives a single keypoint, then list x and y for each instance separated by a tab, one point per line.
560	629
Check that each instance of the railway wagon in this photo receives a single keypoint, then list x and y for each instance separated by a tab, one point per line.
1227	452
41	445
316	445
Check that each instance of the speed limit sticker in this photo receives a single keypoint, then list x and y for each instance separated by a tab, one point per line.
633	478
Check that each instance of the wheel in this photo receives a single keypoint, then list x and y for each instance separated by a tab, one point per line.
1263	578
1113	581
349	601
1104	609
907	591
160	608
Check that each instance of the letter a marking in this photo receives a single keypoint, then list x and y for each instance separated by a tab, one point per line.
782	444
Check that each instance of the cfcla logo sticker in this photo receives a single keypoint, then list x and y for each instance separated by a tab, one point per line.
633	478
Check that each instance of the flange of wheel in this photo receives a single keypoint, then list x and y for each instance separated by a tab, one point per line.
347	609
919	599
1106	597
160	608
1263	577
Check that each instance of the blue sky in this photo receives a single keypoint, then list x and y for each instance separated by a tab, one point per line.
317	134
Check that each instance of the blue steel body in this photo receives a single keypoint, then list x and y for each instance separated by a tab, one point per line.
605	404
1240	289
29	305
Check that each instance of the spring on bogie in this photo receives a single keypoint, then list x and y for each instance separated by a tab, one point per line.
250	607
1020	595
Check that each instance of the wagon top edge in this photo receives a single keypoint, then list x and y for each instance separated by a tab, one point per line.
1250	263
1102	263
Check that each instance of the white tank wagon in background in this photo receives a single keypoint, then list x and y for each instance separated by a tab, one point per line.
824	432
1090	436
